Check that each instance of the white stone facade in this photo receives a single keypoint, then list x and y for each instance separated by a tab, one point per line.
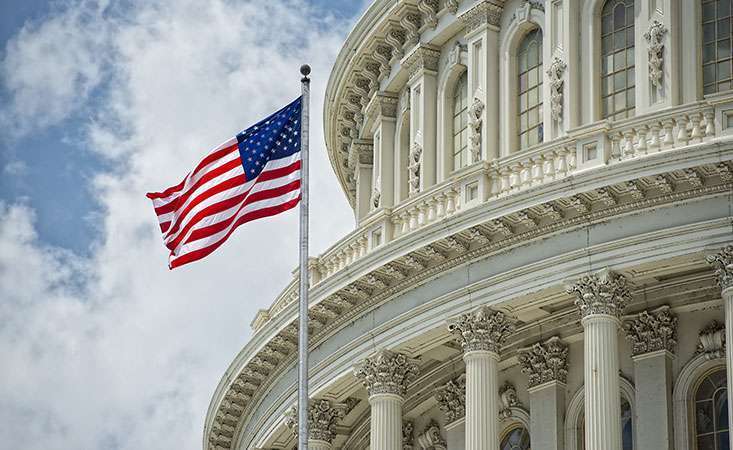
572	294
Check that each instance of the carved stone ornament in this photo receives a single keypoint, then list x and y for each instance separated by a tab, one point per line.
475	112
322	419
454	56
711	341
722	263
429	11
376	197
361	152
509	400
555	72
545	362
452	6
485	13
654	39
481	330
603	292
652	331
408	435
452	399
422	58
521	14
387	373
431	439
413	168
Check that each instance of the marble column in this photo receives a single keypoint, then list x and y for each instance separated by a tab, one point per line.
481	334
601	298
322	419
451	398
653	338
386	376
546	366
722	263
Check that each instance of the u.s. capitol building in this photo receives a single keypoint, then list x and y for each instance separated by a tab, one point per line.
542	259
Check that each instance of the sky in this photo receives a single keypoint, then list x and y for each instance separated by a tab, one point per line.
101	101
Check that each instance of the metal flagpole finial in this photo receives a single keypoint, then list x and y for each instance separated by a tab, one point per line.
305	70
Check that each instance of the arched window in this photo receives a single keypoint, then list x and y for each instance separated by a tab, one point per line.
617	59
460	123
711	412
529	59
516	439
627	431
717	55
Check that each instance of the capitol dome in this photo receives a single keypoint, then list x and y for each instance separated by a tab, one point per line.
542	257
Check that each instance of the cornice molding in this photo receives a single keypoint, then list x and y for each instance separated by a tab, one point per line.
422	59
485	13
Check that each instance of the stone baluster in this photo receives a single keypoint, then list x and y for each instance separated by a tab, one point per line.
668	125
709	123
405	218
431	205
322	419
653	338
413	217
505	173
722	263
696	132
641	147
386	376
440	205
628	143
615	139
546	366
654	141
601	298
515	179
422	217
451	205
682	135
562	163
481	334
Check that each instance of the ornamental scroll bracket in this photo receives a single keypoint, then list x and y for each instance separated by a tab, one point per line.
654	39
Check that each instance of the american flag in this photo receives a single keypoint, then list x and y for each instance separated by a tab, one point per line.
252	175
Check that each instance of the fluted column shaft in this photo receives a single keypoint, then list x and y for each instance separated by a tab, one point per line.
482	400
602	394
314	444
727	296
386	422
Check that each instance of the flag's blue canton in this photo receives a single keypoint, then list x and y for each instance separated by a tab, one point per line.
275	137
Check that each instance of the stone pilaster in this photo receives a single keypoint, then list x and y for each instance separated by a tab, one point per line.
322	419
653	337
601	298
361	160
386	376
722	263
546	366
382	111
481	334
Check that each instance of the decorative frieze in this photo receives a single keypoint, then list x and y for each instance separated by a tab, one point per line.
483	14
322	419
722	263
509	400
555	73
654	39
652	331
711	340
431	438
545	362
452	399
603	292
482	330
387	373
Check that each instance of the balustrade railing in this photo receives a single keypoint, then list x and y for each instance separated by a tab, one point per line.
632	138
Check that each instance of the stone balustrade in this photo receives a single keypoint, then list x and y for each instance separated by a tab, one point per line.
488	182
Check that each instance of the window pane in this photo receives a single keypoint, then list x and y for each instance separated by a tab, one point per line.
619	40
708	11
708	32
723	70
619	81
619	16
708	53
723	28
706	443
724	48
619	101
631	98
723	8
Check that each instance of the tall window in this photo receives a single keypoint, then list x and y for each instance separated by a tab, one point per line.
460	123
716	41
529	58
627	431
617	59
711	412
516	439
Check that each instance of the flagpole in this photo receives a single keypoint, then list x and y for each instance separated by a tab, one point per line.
305	70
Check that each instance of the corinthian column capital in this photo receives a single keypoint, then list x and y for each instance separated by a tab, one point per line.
603	292
452	399
386	373
481	330
322	419
545	361
722	263
652	331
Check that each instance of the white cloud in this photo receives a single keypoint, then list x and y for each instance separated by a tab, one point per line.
115	351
